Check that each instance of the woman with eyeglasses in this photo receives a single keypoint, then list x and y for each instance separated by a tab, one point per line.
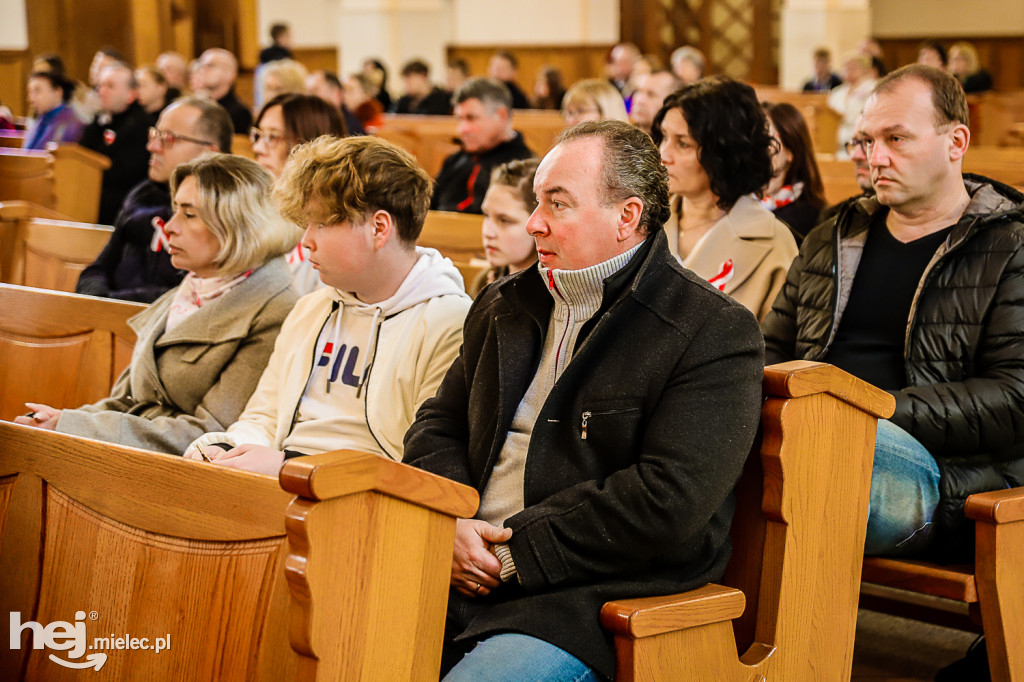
203	345
715	143
593	99
284	122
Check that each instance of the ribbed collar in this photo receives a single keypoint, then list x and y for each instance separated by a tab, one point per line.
584	288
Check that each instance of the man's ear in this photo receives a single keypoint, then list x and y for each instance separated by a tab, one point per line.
383	227
960	139
629	218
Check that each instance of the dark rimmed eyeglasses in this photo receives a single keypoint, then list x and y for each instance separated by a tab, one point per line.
167	140
856	143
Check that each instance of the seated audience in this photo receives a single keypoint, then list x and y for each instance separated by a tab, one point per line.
932	53
287	121
377	75
848	99
456	75
548	89
621	61
135	264
173	67
593	99
717	228
119	133
507	206
81	94
357	357
55	120
361	96
795	194
216	73
930	309
280	45
824	79
964	64
201	346
604	471
281	77
650	95
326	86
688	64
421	96
504	67
483	111
153	90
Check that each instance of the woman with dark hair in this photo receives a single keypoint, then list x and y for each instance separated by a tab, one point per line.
548	90
284	122
55	121
795	193
375	70
714	141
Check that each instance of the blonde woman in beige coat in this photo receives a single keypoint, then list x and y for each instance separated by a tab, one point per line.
715	144
202	346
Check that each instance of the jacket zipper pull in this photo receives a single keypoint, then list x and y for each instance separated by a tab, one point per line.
586	416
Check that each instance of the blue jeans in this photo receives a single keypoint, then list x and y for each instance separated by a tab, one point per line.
519	658
904	494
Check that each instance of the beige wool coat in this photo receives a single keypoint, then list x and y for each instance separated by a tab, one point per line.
746	254
197	377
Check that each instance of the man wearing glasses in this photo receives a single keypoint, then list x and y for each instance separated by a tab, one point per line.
134	265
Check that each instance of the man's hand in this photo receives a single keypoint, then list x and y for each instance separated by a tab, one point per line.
475	569
41	417
257	458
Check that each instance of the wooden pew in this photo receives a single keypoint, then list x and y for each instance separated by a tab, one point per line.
206	557
62	350
1005	164
838	177
241	146
65	177
457	236
13	139
14	216
992	588
51	254
798	537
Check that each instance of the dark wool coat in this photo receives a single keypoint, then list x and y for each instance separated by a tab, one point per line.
463	171
122	140
670	370
964	353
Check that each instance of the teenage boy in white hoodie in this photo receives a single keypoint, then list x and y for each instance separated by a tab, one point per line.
356	358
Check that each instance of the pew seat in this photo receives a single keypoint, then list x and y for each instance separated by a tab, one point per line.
62	350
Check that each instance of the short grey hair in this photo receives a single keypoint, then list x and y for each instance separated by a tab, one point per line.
630	167
490	91
234	202
214	122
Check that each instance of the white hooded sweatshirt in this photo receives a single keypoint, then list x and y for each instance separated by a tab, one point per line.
346	374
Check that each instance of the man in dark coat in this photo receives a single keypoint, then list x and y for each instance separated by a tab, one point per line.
603	405
218	69
421	96
483	111
135	265
119	133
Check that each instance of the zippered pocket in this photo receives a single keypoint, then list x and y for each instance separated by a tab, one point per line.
589	414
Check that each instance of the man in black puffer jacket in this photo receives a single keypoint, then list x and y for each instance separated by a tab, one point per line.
920	290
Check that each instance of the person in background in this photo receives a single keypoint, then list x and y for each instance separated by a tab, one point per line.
326	86
649	96
717	228
153	90
203	345
795	193
174	69
55	120
421	96
688	64
964	65
508	204
456	75
593	99
621	62
548	89
360	95
81	93
287	121
280	44
281	77
824	79
377	75
504	67
932	53
848	99
217	72
862	173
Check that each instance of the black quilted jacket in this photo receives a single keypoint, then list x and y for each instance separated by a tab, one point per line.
964	350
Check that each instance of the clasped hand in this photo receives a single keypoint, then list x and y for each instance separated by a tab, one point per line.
475	569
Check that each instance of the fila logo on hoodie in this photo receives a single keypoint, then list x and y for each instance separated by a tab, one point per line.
349	377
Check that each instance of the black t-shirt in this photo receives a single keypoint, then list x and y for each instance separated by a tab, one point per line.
872	332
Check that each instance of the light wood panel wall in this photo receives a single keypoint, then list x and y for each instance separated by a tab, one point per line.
575	61
14	69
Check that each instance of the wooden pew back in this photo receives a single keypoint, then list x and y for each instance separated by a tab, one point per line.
1005	164
798	538
54	252
838	177
457	236
28	175
66	178
14	218
62	350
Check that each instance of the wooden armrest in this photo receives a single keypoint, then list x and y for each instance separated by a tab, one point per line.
69	150
346	472
997	506
17	210
799	378
657	615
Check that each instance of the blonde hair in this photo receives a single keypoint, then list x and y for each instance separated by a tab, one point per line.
291	73
969	54
234	203
599	93
346	179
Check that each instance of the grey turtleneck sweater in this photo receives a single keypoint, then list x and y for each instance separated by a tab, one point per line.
577	296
